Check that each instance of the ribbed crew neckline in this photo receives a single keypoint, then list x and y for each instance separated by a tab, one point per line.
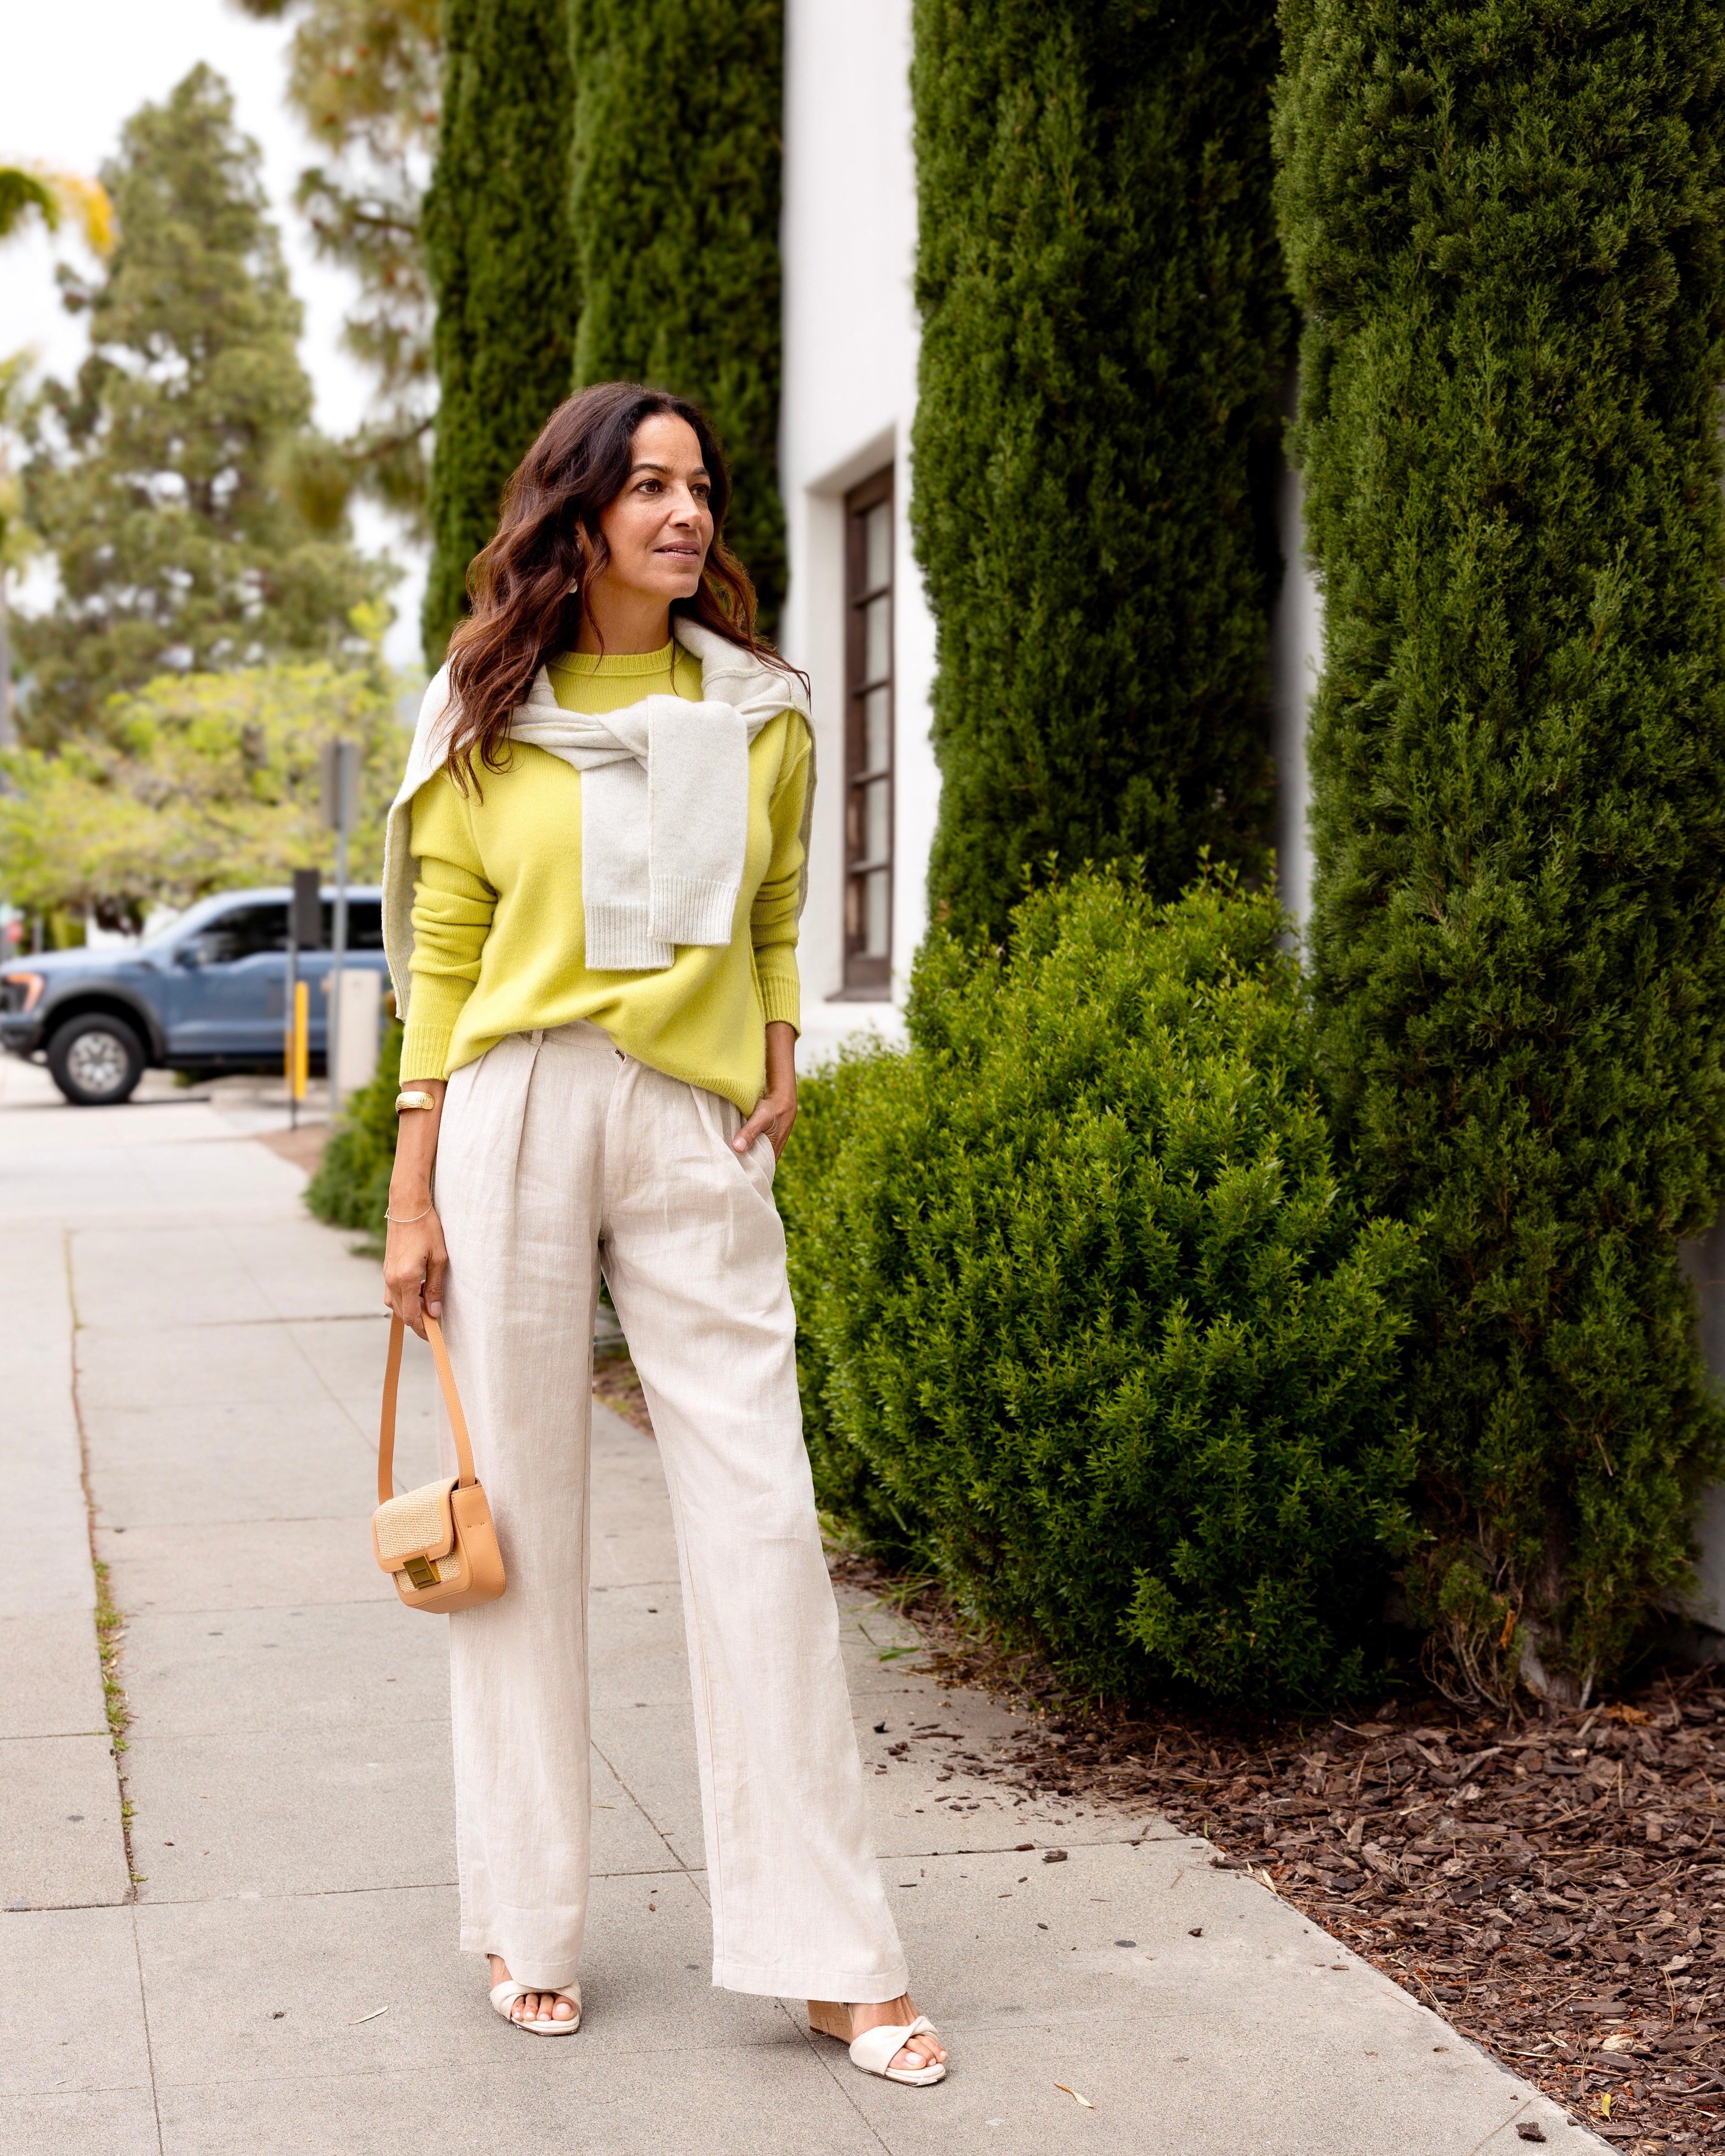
615	664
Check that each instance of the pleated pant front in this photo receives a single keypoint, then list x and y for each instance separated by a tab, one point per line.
559	1157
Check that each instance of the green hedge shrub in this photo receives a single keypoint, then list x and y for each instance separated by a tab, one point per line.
1105	336
501	261
1507	227
1089	1325
676	229
350	1189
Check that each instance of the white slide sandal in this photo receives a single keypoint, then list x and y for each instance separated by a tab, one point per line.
874	2051
504	1994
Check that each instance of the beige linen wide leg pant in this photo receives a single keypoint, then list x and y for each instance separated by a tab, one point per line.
559	1156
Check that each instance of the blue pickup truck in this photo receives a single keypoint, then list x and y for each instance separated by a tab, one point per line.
205	994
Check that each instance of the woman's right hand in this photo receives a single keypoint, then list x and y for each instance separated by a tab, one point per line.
414	1257
415	1260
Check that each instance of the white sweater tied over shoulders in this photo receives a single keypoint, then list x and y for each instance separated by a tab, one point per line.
664	805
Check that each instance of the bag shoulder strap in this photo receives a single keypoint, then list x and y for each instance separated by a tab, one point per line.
452	1401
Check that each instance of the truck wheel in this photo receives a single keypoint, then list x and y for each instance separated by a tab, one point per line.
96	1061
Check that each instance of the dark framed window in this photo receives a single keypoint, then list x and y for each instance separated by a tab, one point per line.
868	735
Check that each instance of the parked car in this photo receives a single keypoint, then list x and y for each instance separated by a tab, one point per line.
205	994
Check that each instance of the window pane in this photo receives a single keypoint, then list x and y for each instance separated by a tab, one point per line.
365	925
877	729
244	933
879	894
877	547
877	638
869	552
877	823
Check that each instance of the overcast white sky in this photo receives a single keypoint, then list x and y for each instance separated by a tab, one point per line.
67	80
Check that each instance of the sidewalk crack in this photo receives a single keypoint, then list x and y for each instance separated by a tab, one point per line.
110	1619
688	1870
149	2042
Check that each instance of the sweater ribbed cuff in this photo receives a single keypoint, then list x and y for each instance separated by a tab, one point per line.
619	940
691	910
782	998
424	1049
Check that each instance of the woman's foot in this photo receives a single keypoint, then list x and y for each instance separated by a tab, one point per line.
924	2050
531	2006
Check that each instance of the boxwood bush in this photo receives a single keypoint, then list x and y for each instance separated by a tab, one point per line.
1089	1325
350	1187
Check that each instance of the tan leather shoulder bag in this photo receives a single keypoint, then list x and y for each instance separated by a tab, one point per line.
437	1543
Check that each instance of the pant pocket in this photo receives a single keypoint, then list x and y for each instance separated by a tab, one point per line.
723	1119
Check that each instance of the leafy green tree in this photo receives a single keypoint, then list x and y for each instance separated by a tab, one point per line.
365	77
502	264
17	542
28	190
53	195
191	513
21	191
200	781
1105	336
1506	227
676	230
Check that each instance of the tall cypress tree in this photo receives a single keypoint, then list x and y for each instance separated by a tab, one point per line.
678	121
1508	227
1105	331
501	265
175	481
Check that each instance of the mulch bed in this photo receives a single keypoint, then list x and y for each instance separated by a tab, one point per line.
304	1145
616	1386
1554	1886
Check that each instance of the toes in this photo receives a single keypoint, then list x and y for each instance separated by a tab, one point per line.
563	2010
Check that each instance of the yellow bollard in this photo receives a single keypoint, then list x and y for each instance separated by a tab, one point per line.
302	1038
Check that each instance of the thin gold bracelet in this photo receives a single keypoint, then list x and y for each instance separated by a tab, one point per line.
396	1222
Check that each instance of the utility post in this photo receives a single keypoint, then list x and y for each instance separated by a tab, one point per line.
305	933
340	792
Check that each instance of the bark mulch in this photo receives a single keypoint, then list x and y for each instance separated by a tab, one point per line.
616	1386
1554	1886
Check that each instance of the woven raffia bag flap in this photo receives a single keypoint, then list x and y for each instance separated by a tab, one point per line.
437	1543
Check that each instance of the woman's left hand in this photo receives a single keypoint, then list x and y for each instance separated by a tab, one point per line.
776	1110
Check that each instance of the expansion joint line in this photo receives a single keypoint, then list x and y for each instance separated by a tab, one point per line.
109	1621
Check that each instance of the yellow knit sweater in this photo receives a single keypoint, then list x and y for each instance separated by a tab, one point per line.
499	935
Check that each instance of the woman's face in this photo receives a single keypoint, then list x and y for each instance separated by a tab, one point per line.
660	527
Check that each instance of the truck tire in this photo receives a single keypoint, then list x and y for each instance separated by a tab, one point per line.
95	1060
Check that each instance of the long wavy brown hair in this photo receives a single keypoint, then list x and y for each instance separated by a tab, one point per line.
524	587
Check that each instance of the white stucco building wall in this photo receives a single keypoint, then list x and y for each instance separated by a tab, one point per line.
848	240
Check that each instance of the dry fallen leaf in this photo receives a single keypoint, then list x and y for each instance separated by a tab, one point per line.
1075	2097
1605	2105
371	2016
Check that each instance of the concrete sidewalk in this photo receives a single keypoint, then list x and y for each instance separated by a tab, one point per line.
282	1975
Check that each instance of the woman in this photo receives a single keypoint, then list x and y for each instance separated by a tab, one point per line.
593	873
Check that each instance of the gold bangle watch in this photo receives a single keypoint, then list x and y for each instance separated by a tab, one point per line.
414	1101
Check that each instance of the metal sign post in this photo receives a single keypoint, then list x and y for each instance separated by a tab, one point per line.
304	933
341	794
